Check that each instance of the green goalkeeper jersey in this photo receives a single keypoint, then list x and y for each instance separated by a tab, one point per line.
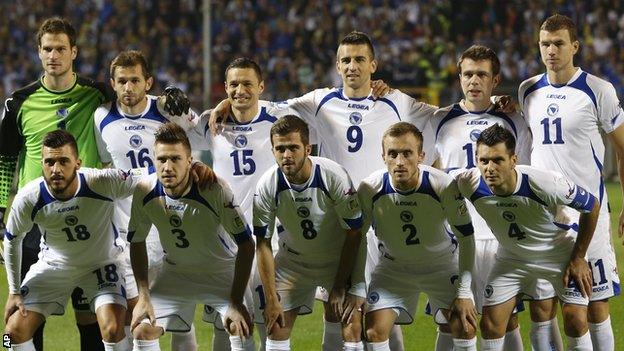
33	111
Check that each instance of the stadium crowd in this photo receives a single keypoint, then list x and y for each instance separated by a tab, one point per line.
417	42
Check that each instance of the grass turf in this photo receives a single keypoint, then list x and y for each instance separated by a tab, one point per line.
61	333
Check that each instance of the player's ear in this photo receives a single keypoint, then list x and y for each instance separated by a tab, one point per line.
112	82
74	51
261	86
575	46
373	66
148	83
308	150
495	80
78	163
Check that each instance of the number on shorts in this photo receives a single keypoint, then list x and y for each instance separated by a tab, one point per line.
81	233
601	270
110	273
180	235
308	229
411	237
515	232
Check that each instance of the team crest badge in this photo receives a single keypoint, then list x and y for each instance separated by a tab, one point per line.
489	290
62	112
373	297
71	220
509	216
208	309
240	141
475	134
24	291
552	109
175	221
303	212
355	118
136	141
407	216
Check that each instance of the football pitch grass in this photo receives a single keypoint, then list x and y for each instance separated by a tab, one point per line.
61	333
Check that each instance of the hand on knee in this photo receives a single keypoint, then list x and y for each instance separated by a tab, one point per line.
145	331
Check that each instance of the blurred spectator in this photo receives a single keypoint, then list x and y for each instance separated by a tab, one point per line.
416	42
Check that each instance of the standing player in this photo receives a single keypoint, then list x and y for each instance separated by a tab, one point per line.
410	204
60	99
125	131
75	211
524	207
241	154
456	129
315	201
566	107
197	228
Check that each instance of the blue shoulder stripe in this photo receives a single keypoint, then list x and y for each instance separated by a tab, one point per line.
581	84
334	94
426	188
194	195
455	111
158	191
526	191
392	105
112	116
85	191
45	198
482	191
386	188
542	82
264	116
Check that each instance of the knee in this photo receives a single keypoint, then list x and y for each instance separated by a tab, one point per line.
112	330
17	334
375	334
146	332
513	322
542	311
575	324
352	332
598	311
458	329
490	329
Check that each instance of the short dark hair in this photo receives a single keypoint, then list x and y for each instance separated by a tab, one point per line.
57	25
497	134
130	58
557	22
59	138
358	38
171	133
245	62
479	53
400	129
290	124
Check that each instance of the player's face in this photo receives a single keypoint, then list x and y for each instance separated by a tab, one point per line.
130	85
173	165
59	168
56	54
290	154
402	155
496	165
477	80
355	65
557	50
243	88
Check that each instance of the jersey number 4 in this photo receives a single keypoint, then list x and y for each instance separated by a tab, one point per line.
515	232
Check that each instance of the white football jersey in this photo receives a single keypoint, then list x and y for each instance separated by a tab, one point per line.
79	231
242	152
128	142
198	229
566	120
411	226
350	130
456	132
530	224
314	215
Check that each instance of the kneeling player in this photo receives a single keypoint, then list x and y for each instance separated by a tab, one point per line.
75	210
199	231
315	201
524	207
409	205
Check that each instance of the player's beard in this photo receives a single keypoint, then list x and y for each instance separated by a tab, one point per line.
59	190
